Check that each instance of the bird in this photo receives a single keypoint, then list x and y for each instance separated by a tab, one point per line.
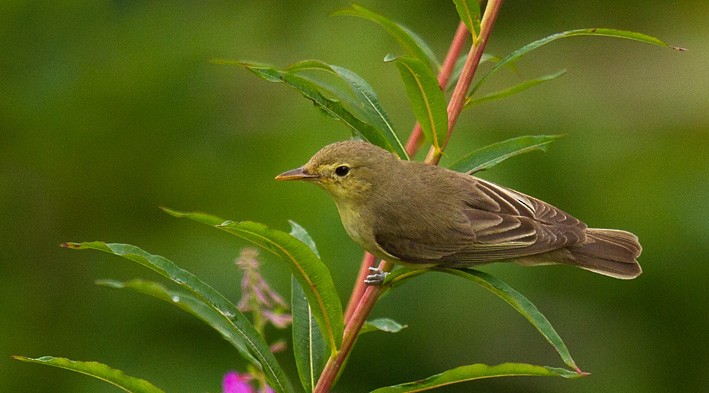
421	215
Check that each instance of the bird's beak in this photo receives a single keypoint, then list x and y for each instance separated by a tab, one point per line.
296	174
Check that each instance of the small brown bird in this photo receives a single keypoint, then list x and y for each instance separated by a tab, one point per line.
424	215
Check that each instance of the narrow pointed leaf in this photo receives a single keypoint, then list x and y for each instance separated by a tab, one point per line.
407	39
519	303
458	67
386	325
309	347
339	93
251	339
189	303
571	33
469	12
510	91
491	155
97	370
298	232
427	99
331	107
335	109
366	96
307	268
203	218
478	371
303	263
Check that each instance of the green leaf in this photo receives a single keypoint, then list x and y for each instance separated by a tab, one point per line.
189	303
251	339
298	232
427	99
489	156
366	96
203	218
97	370
519	303
382	325
571	33
469	12
331	107
504	93
309	347
479	371
460	63
303	263
407	39
335	109
307	268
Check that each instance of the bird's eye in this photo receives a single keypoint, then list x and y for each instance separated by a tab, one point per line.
342	170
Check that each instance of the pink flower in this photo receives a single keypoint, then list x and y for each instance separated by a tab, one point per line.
257	296
278	319
235	383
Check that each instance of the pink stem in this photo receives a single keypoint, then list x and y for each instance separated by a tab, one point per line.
370	294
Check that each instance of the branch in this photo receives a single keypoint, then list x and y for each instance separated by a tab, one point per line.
371	293
455	106
414	142
412	146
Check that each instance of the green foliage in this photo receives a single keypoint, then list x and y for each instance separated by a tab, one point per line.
192	305
501	289
458	67
510	91
519	303
427	99
306	266
386	325
478	371
375	134
97	370
407	39
366	99
250	338
318	321
309	347
469	12
489	156
514	56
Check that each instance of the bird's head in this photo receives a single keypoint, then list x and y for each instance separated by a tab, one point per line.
348	171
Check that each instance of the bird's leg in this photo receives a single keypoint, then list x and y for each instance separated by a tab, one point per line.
376	276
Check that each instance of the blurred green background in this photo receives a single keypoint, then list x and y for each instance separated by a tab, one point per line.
111	109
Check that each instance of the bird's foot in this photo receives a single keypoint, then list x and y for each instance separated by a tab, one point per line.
376	276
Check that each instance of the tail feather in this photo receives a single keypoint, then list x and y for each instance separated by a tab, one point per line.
609	252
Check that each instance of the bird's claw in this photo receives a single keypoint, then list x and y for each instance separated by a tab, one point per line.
376	276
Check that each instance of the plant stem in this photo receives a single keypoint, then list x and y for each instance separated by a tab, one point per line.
368	260
412	146
414	142
364	307
455	106
371	293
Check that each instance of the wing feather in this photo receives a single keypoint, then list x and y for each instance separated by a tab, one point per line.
491	223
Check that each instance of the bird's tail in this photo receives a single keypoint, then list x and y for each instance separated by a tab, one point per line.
609	252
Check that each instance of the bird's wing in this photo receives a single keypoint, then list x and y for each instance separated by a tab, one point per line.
432	245
495	223
489	196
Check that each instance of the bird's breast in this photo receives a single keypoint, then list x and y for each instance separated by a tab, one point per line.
358	227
